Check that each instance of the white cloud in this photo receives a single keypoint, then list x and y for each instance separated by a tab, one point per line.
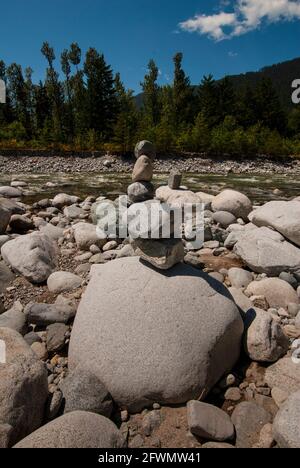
232	54
246	16
211	25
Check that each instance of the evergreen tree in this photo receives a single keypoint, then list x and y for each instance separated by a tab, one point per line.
19	96
208	100
182	94
268	108
55	94
125	126
75	54
151	107
101	94
226	99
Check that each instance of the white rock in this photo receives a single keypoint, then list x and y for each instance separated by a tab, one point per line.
281	215
33	256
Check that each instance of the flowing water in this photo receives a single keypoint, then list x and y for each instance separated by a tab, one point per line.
259	188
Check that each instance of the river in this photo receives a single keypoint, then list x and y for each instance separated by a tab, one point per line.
259	188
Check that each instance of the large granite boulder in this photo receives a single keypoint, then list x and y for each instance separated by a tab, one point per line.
155	337
23	387
280	215
234	202
79	429
33	256
266	251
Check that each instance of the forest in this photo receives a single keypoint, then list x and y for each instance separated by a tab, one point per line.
85	106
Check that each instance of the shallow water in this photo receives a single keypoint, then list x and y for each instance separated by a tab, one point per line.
258	188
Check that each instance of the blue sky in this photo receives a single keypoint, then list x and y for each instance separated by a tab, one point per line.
216	36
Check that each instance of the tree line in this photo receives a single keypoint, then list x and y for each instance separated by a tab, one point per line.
87	107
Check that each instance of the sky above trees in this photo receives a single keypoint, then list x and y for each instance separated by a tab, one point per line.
216	36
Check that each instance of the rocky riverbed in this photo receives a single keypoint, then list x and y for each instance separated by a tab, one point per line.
185	348
18	163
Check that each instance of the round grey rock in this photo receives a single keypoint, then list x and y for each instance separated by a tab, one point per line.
156	337
145	148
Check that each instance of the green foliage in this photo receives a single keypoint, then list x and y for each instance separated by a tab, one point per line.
87	107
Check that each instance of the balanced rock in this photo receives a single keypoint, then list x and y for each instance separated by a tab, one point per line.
234	202
158	337
140	192
280	215
79	429
23	387
33	256
143	170
266	251
162	254
286	428
145	148
174	181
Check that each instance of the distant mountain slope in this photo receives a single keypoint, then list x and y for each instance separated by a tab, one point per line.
282	75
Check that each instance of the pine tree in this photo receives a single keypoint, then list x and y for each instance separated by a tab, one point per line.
151	105
182	94
101	95
226	99
268	108
55	94
19	97
126	123
208	100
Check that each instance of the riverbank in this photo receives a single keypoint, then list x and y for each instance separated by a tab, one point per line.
226	316
47	162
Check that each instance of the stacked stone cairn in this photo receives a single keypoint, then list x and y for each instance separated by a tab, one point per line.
164	251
